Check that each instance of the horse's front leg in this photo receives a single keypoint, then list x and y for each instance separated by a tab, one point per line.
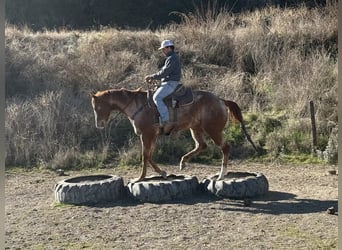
142	174
148	142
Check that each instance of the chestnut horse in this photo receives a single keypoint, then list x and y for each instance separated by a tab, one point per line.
207	115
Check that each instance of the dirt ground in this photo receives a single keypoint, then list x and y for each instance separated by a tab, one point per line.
291	216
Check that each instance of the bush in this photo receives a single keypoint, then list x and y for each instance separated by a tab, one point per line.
330	153
38	129
271	61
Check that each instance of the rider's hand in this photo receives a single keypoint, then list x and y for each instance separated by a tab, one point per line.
148	78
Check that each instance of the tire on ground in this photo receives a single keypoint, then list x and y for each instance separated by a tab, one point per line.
237	185
155	189
89	189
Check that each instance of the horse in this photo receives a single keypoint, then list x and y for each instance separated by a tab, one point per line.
206	116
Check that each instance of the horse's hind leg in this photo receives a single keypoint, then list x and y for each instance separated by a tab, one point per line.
198	137
218	139
158	170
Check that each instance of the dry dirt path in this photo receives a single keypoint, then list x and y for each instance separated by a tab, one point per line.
292	216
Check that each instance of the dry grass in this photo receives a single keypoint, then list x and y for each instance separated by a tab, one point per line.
271	61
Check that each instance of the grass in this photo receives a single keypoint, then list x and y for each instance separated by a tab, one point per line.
62	205
271	61
293	159
314	241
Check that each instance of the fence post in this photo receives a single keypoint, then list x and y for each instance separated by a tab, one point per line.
313	126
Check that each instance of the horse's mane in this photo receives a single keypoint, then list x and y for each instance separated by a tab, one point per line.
128	93
138	90
123	90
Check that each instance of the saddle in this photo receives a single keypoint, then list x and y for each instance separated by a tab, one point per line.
182	96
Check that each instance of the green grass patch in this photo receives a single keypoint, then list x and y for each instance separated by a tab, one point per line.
313	240
294	159
56	204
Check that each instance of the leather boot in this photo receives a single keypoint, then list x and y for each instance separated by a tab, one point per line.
168	127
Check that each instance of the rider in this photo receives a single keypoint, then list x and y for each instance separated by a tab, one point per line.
170	75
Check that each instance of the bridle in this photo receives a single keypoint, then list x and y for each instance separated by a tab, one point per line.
110	123
111	118
149	89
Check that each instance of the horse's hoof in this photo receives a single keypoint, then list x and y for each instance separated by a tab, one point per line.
136	180
221	177
163	174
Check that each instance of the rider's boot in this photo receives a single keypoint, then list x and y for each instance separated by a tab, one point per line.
167	127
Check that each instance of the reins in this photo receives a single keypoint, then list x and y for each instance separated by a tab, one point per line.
154	83
113	118
117	114
141	107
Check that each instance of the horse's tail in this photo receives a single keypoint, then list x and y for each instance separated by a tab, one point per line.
234	111
236	114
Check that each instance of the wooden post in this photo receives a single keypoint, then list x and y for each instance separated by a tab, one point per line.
313	126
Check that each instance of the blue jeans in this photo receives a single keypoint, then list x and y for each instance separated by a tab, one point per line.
164	90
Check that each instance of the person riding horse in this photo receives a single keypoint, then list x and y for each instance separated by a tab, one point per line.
170	75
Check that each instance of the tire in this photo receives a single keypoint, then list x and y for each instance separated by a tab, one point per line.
155	189
89	189
237	185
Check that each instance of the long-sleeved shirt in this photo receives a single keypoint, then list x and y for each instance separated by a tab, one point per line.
171	71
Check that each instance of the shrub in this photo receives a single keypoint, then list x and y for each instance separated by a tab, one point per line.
37	129
272	62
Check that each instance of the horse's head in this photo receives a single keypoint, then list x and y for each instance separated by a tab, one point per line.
101	109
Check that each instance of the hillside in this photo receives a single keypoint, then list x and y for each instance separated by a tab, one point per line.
272	62
138	14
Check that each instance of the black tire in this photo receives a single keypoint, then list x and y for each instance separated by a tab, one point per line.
89	189
237	185
155	189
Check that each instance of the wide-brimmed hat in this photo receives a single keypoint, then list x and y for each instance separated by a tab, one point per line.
166	43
